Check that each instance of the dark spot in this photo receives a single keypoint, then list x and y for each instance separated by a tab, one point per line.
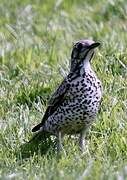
77	122
86	113
89	101
85	101
50	122
95	86
88	89
82	88
91	91
84	84
84	74
91	77
82	80
77	83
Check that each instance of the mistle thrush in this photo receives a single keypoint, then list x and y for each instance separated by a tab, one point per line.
74	105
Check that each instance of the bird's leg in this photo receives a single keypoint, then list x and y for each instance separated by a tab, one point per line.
59	144
82	140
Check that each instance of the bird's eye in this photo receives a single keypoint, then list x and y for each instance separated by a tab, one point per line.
79	46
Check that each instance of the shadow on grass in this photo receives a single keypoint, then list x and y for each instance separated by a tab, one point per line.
39	144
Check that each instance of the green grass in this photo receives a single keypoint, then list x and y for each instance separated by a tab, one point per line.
36	38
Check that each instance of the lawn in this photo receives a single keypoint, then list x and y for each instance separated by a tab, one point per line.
36	38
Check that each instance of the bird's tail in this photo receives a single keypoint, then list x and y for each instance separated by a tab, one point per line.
37	127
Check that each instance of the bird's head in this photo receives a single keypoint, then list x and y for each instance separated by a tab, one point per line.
82	53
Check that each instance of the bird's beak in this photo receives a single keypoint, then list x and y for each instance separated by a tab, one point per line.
94	45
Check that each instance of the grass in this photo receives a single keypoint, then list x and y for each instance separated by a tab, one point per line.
35	46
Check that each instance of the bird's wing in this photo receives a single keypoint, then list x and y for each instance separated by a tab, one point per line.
55	101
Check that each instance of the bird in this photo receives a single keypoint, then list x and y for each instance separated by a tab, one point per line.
74	105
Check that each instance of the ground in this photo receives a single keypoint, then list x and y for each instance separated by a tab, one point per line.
36	39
